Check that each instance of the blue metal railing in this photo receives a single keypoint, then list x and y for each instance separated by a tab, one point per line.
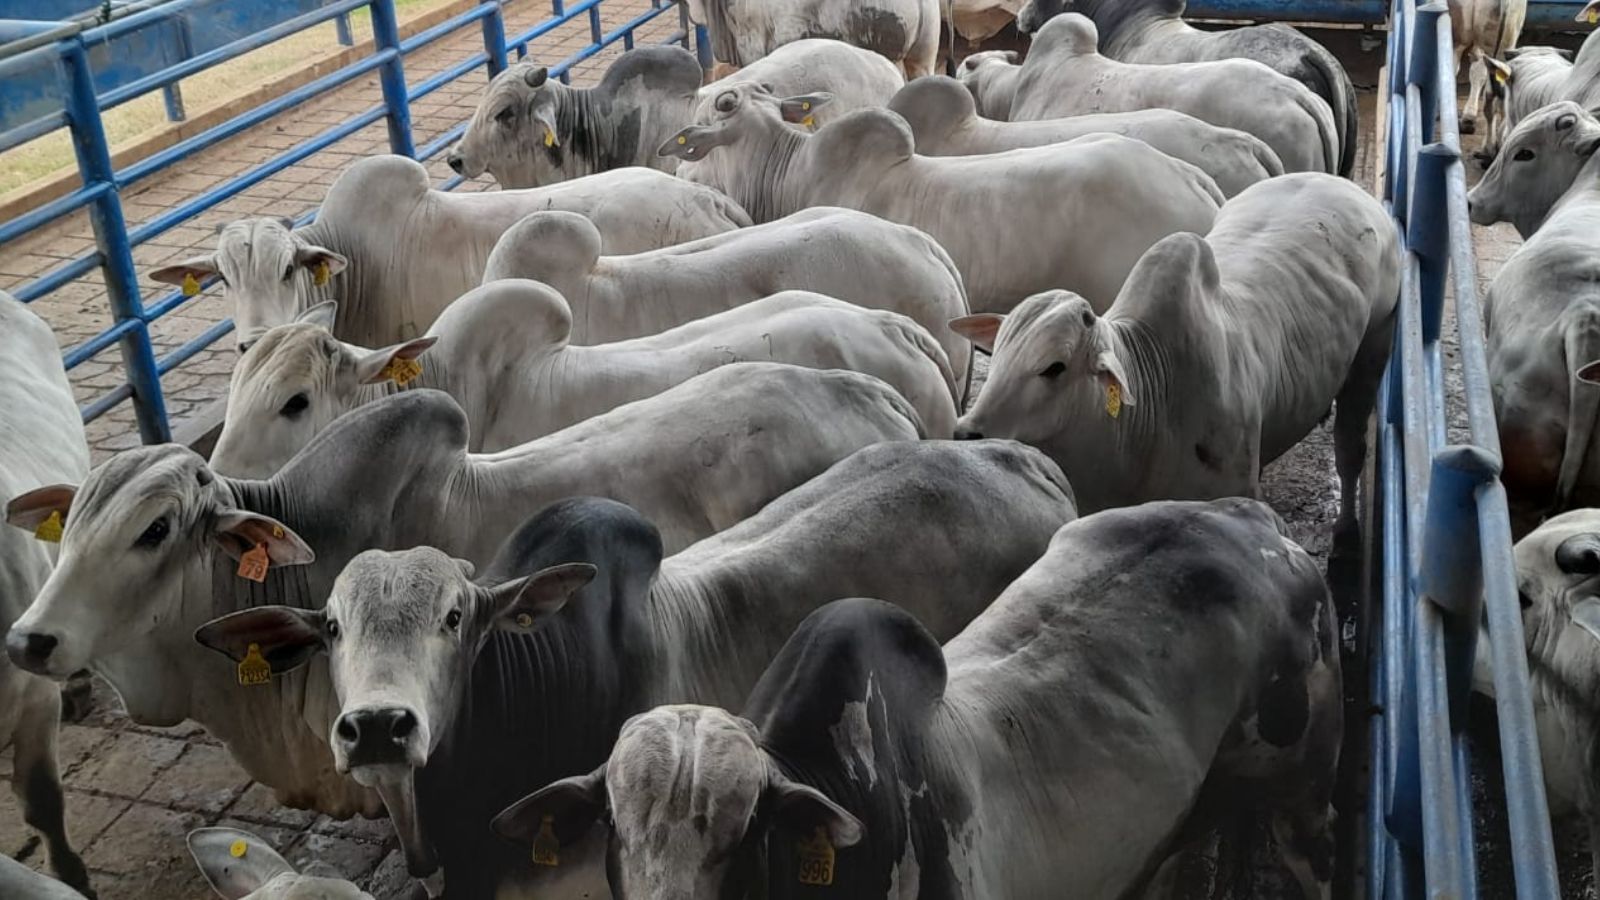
69	49
1444	534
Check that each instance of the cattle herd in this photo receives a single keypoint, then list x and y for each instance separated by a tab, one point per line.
637	530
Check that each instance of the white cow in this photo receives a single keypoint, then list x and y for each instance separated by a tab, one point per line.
1548	155
23	883
1062	745
839	253
991	77
1483	29
906	32
1073	215
393	474
502	352
41	443
1065	75
394	252
1219	355
241	866
944	121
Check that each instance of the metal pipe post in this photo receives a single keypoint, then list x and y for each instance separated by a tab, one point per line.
1452	570
494	37
392	78
1428	233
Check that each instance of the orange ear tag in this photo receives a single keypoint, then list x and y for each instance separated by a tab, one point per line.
191	285
50	529
254	563
546	849
253	670
1113	400
401	371
816	859
321	274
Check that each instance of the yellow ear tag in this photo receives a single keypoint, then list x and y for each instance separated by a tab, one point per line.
1499	76
1593	16
549	138
401	371
321	274
253	670
254	563
816	859
50	529
682	140
546	849
524	620
239	847
1113	400
809	122
191	285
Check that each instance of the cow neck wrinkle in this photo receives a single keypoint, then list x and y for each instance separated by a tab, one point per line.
584	117
1148	362
766	189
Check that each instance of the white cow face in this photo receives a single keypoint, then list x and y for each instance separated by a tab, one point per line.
240	866
1558	579
692	797
1537	164
1055	362
737	112
266	270
141	533
513	134
292	384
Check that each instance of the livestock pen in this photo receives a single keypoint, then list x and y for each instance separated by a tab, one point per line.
1440	537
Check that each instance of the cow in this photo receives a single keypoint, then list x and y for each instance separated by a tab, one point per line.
393	252
1064	75
41	443
1533	77
502	352
844	254
17	880
241	866
990	76
944	122
1547	156
1557	565
535	688
1541	319
1158	668
531	131
1219	355
389	475
1154	32
1073	215
905	32
1483	29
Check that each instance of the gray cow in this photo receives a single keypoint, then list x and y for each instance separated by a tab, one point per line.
1074	215
1530	78
393	252
1219	355
530	130
905	32
1547	156
1153	31
1542	320
991	77
1064	75
241	866
491	711
393	474
1062	745
944	121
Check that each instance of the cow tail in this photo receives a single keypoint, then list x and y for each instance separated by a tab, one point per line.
1340	94
1582	338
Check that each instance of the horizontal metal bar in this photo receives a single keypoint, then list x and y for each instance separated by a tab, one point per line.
104	404
606	40
455	23
200	342
37	288
548	25
99	343
49	212
1544	15
30	131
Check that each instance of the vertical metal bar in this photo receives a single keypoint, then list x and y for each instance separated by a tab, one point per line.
392	78
494	38
172	94
111	236
702	44
341	30
1427	234
1424	63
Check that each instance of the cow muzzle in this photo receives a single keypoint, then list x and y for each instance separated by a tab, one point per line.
32	650
455	162
379	736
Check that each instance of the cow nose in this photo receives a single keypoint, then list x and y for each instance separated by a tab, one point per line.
454	160
967	434
30	650
377	735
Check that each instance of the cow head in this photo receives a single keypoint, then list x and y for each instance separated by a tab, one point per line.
293	383
143	527
1034	13
1537	164
401	632
735	113
514	134
1055	364
240	866
266	269
678	836
1558	581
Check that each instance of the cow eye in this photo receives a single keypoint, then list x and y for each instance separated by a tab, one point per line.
295	405
1088	319
727	101
153	535
452	619
1524	155
1053	370
504	116
288	273
1524	600
333	628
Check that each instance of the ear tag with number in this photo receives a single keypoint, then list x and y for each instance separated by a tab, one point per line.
1113	400
546	849
401	371
253	670
254	563
321	274
50	529
191	285
816	859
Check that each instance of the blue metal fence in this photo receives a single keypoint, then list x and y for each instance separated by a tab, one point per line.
1444	535
67	49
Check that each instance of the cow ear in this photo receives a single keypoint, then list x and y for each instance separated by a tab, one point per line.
322	314
34	508
543	112
536	77
1498	70
799	110
981	329
377	366
239	532
1108	366
197	267
235	863
284	636
1589	372
803	809
570	806
694	142
520	603
314	257
1590	13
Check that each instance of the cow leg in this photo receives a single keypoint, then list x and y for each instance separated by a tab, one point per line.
37	781
1351	423
1478	82
1305	839
922	57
